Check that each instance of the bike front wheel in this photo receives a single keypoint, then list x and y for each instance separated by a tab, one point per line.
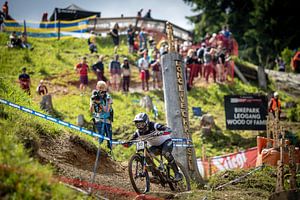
139	176
184	184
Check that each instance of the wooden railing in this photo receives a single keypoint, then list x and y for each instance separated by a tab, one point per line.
104	25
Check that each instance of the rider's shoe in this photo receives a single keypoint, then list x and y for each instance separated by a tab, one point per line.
178	176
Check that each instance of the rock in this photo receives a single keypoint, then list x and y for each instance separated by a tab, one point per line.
80	120
207	120
46	103
146	102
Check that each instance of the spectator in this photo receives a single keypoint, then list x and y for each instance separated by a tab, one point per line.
24	42
5	9
15	41
24	80
163	49
213	41
101	107
148	14
281	64
156	70
82	70
275	105
143	64
221	56
98	69
92	43
227	32
208	64
115	37
45	17
143	39
115	73
200	54
41	88
193	65
139	14
2	17
126	75
130	38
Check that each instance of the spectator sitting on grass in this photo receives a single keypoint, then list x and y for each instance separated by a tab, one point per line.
14	40
92	43
24	42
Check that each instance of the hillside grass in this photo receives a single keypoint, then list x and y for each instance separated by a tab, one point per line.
21	176
54	62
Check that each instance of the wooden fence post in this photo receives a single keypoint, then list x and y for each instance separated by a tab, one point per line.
58	30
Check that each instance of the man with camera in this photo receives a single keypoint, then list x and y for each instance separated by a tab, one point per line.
101	107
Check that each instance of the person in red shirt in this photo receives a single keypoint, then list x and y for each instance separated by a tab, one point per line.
24	80
82	70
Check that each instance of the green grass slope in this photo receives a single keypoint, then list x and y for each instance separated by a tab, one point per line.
54	62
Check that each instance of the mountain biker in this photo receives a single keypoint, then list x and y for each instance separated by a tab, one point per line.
161	143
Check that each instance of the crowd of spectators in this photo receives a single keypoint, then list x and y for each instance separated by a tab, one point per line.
210	59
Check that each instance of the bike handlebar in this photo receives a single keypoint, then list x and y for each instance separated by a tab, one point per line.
146	137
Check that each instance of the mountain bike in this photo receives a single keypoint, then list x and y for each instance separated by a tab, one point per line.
143	162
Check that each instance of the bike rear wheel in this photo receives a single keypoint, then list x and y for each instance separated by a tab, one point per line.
139	177
184	184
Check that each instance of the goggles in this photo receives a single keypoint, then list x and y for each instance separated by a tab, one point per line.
140	125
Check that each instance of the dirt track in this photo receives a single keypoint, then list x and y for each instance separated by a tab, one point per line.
74	158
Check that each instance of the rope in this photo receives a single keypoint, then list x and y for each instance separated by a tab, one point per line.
178	142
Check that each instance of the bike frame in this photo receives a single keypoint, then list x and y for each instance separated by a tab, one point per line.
163	176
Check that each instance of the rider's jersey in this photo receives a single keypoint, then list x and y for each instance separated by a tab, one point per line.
152	127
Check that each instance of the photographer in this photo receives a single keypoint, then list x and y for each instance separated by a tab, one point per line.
100	106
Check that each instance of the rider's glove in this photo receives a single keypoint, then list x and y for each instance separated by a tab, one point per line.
127	144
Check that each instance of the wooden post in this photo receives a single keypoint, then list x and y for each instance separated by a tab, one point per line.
25	29
209	167
280	168
292	167
176	106
95	22
269	144
262	81
58	30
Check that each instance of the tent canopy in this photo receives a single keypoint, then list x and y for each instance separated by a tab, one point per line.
72	12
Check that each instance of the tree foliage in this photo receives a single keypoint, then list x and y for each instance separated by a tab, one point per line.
263	28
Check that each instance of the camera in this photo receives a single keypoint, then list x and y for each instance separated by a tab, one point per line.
95	96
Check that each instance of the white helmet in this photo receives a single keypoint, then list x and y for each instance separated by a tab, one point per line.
141	121
101	85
